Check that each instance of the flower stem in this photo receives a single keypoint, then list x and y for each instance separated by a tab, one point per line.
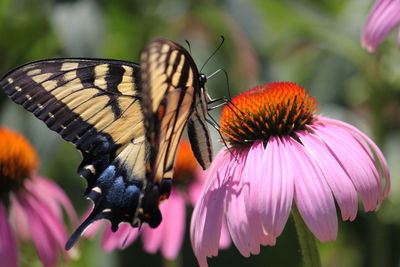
307	242
172	263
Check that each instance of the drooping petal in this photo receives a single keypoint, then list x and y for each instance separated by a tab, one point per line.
46	245
337	178
51	194
19	220
368	144
194	188
312	194
384	16
206	222
8	242
168	236
358	165
194	191
255	185
240	227
278	176
174	218
225	239
53	223
152	238
122	238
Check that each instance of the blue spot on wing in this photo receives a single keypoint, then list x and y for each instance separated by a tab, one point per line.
117	201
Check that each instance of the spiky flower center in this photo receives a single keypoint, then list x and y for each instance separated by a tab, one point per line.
18	160
274	109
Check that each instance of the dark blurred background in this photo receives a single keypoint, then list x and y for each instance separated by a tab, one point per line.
313	43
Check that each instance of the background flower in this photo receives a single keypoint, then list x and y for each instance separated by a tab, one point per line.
31	206
382	19
280	152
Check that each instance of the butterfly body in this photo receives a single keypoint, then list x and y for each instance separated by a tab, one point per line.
126	119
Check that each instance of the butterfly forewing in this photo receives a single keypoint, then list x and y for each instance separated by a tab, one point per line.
169	87
76	98
169	84
93	104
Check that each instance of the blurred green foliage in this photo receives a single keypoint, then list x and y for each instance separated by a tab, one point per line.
313	43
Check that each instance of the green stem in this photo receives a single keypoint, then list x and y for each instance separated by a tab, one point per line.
172	263
307	242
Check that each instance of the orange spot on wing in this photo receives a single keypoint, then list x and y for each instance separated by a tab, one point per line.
161	112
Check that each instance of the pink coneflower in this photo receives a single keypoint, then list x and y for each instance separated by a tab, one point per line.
281	152
30	205
168	236
383	18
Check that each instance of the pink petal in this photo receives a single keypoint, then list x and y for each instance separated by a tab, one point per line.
338	180
51	221
384	16
278	188
359	165
46	245
19	220
194	188
122	238
52	194
152	238
8	242
225	239
367	143
205	227
194	192
254	180
243	234
174	218
312	194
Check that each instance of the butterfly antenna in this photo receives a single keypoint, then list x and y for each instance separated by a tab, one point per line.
189	46
215	51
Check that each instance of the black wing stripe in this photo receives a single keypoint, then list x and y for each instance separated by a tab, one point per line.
184	74
200	140
56	105
43	92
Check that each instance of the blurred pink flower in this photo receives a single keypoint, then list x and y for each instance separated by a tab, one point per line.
281	152
168	236
30	205
383	18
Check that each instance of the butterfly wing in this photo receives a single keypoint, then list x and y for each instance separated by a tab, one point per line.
198	133
169	84
94	105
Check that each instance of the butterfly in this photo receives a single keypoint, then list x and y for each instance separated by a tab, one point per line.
126	119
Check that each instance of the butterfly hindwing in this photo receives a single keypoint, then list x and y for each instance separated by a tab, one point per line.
199	134
93	104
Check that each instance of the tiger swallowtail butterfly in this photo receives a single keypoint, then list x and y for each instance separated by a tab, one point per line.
126	120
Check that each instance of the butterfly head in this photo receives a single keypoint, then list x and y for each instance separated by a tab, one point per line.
202	79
